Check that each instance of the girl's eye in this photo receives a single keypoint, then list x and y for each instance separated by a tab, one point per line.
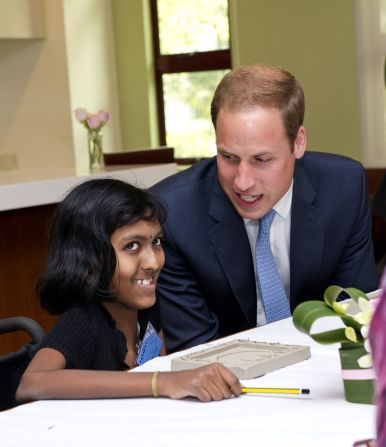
132	246
157	241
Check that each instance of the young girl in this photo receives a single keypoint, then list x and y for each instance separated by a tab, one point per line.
104	259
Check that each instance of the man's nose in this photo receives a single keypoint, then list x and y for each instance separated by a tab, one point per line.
244	177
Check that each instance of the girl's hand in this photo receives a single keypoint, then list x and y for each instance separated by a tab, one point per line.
211	382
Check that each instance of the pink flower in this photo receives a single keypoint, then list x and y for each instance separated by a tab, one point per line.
103	116
378	348
80	114
94	122
374	302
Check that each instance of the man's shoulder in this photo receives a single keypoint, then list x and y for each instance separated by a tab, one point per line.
325	160
329	175
188	181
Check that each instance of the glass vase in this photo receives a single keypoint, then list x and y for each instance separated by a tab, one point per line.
358	382
95	152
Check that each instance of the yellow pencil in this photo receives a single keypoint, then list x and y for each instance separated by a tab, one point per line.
276	390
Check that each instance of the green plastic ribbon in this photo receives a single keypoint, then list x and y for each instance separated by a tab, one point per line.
308	312
352	312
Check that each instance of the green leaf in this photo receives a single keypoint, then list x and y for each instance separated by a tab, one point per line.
306	313
331	294
329	337
355	294
348	320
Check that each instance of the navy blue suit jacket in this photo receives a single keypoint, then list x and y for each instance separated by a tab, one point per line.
207	287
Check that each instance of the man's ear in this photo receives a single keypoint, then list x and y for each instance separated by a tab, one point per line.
300	142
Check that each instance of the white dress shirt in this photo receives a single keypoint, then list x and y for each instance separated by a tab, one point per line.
280	245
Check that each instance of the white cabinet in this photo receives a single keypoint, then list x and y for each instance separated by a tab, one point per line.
21	19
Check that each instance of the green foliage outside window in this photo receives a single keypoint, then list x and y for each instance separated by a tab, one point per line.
186	26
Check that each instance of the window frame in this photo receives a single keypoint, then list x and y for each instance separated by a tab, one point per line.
179	63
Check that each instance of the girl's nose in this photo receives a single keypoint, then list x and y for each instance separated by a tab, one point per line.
152	258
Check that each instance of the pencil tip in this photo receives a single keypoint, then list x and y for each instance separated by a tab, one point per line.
305	391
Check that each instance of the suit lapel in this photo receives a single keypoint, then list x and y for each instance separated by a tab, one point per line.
231	245
307	235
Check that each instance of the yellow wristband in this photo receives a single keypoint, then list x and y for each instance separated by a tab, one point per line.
154	388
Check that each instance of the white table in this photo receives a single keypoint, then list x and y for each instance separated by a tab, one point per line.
323	418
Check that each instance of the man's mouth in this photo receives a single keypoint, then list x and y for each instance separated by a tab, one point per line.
248	198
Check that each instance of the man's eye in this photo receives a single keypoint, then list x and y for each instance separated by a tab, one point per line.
157	241
263	160
132	246
229	157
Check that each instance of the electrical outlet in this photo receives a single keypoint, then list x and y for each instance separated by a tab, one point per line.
8	162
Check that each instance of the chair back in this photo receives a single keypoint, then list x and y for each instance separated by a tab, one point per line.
163	154
379	198
13	364
376	179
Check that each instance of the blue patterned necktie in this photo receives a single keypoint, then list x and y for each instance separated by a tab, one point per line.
271	289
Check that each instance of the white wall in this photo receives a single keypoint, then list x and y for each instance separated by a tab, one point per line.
35	125
371	53
91	70
43	80
315	40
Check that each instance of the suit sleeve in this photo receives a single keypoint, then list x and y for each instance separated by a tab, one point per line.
185	316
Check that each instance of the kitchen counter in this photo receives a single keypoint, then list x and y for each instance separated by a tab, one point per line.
23	189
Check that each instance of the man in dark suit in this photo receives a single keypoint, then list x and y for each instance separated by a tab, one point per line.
321	230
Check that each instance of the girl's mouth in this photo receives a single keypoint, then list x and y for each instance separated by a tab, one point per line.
144	281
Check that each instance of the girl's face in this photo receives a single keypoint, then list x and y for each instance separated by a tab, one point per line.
140	257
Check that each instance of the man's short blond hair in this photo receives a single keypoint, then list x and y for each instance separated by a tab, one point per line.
261	85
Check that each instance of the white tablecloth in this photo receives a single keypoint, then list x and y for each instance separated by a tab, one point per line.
323	418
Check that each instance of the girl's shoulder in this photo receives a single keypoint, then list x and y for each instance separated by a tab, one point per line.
82	318
78	334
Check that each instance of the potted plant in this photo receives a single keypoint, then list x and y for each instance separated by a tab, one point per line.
355	310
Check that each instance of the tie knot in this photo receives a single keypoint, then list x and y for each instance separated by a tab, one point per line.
266	221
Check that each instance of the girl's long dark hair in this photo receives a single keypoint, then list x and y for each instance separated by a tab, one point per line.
81	260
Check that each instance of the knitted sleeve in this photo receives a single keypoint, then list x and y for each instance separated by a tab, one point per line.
75	336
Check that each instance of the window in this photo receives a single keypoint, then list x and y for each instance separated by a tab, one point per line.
191	53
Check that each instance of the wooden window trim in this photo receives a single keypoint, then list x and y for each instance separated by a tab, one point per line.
191	62
178	63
